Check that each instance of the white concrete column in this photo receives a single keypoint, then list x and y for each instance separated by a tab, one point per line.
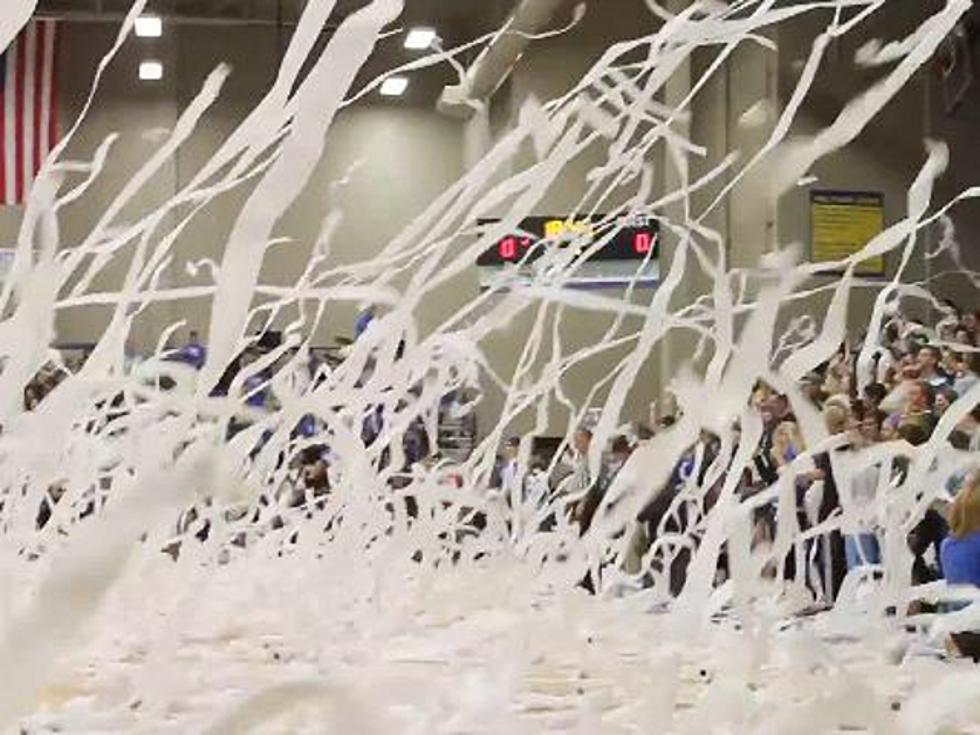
477	139
677	88
734	111
752	109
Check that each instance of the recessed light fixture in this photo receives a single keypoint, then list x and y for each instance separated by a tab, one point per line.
149	26
419	39
394	86
151	71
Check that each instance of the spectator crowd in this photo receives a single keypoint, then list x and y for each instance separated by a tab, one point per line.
915	375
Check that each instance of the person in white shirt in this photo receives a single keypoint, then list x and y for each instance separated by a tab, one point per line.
576	485
970	376
510	469
581	475
860	487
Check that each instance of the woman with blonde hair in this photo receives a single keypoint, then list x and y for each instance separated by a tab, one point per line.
961	549
961	552
787	443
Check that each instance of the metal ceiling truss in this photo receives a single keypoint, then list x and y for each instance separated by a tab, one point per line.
188	12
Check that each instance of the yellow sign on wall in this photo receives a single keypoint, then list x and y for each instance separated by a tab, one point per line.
843	222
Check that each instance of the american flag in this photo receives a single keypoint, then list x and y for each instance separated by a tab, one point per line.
28	107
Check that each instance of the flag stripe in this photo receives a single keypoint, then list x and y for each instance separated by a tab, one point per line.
19	120
39	81
3	132
26	148
52	76
10	111
29	108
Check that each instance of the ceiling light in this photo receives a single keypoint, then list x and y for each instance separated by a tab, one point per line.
151	71
149	26
394	86
419	39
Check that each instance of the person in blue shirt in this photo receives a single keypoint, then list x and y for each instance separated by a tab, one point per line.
961	549
256	390
306	427
961	553
363	321
194	353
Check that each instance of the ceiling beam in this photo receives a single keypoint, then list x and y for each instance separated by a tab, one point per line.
211	13
72	16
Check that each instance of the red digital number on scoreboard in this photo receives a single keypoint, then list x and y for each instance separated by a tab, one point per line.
643	242
512	248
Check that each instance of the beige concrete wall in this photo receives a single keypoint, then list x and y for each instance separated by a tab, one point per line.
548	70
958	128
884	158
122	106
406	152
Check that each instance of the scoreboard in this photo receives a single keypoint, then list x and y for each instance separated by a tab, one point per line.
634	239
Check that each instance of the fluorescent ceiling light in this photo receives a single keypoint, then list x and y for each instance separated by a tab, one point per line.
149	26
151	71
394	86
419	39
